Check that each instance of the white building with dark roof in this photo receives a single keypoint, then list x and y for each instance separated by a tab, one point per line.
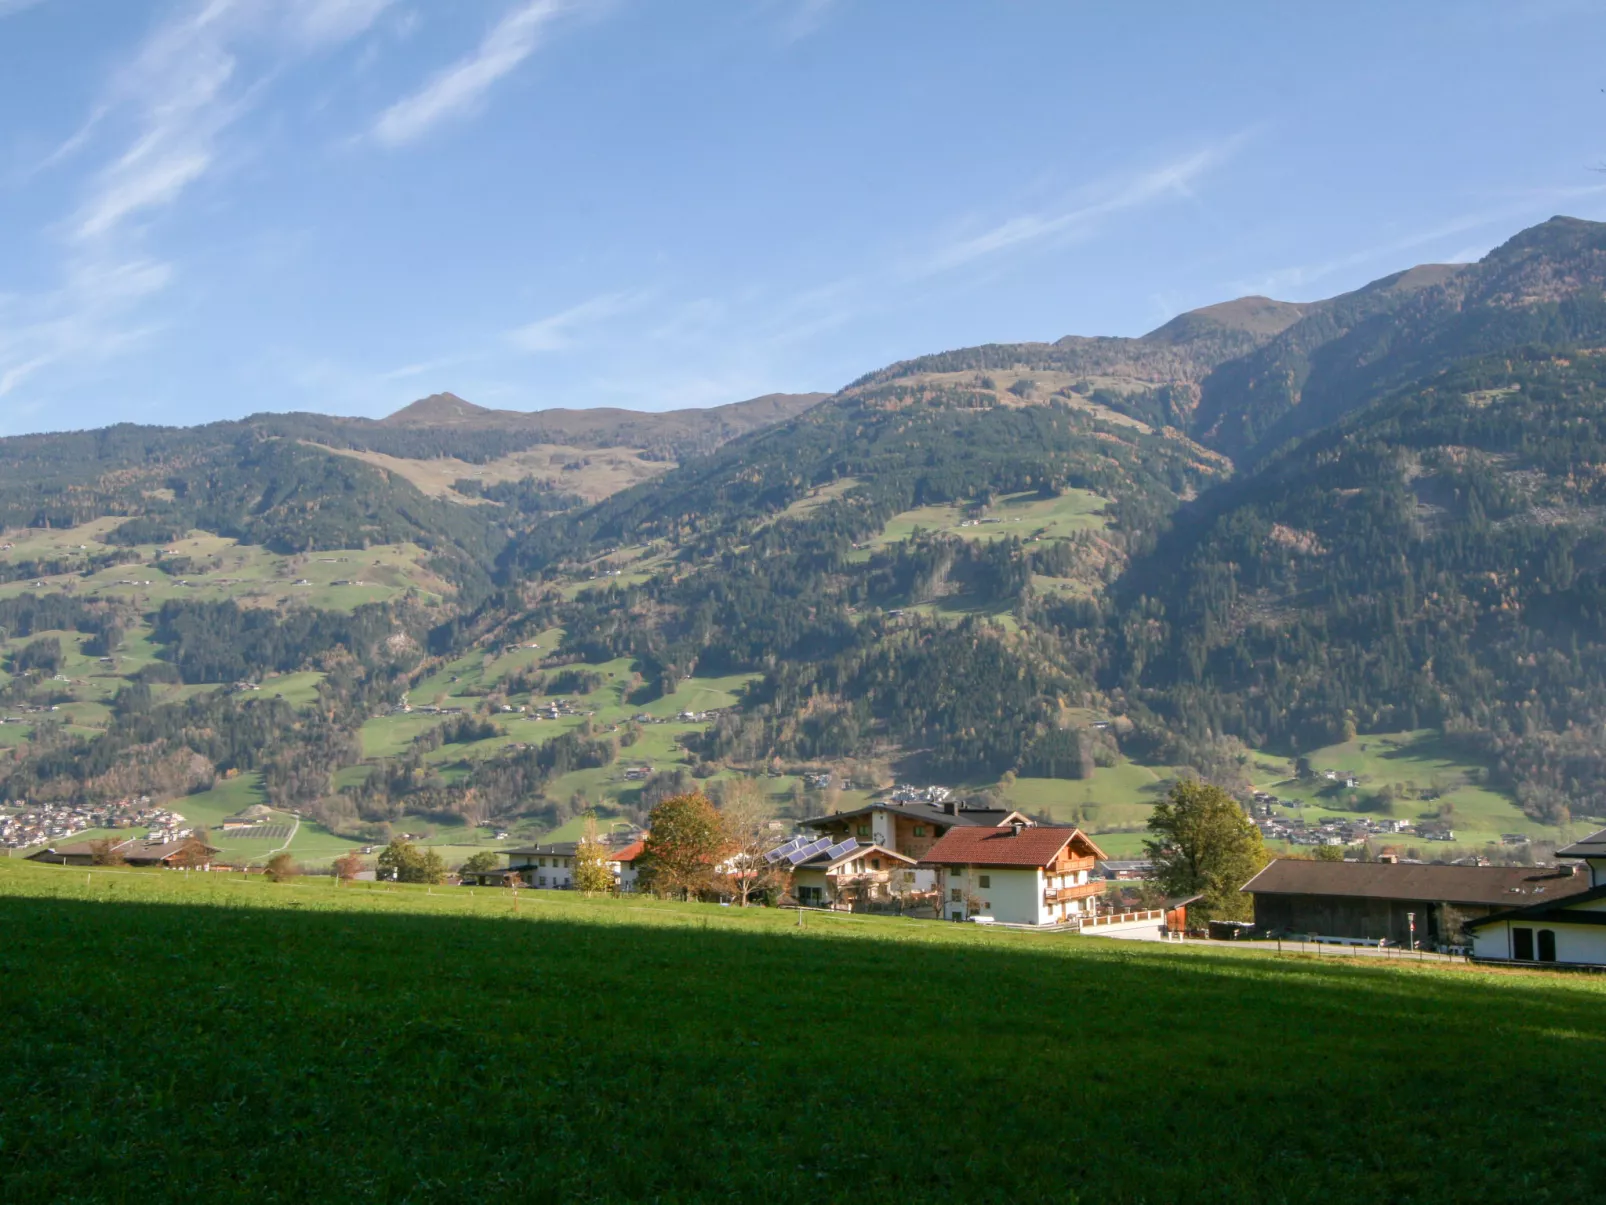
1568	930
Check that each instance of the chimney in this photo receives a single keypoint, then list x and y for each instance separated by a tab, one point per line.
1017	827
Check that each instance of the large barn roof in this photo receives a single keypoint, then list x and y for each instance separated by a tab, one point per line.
1510	886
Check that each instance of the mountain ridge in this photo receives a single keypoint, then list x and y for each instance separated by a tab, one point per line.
1263	521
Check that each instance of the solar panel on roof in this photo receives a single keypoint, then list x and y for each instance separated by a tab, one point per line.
781	851
809	850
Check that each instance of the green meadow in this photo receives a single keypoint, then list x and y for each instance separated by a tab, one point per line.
1025	516
207	1038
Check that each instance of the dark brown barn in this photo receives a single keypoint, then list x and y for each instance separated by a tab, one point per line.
1370	901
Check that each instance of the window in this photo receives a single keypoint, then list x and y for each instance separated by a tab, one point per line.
908	876
1522	945
864	830
543	861
543	881
875	863
1547	945
986	880
956	895
920	830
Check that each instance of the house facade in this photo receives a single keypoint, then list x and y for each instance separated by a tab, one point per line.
851	876
1397	903
544	866
908	829
1566	930
1017	874
551	867
624	862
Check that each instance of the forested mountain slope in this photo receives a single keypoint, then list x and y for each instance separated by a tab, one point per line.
1541	287
1438	559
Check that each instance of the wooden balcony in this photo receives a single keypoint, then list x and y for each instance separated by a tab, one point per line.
1058	895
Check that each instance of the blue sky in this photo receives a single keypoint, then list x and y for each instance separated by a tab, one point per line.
215	207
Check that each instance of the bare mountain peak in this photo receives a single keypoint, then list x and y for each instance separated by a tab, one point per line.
1261	317
438	409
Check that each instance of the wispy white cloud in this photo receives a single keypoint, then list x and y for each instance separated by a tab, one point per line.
7	7
83	320
1174	180
559	331
461	86
408	371
161	117
805	17
1533	205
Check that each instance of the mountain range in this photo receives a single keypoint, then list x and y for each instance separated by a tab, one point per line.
1263	525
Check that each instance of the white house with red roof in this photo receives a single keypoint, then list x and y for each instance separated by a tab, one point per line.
1018	874
623	862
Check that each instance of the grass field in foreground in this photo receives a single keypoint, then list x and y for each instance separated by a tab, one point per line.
209	1039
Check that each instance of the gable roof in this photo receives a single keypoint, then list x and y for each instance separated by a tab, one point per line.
562	849
1592	846
628	853
82	849
920	813
1035	845
1487	885
160	851
1563	909
824	861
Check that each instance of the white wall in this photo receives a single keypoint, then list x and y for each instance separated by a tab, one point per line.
554	874
1578	944
811	878
1013	896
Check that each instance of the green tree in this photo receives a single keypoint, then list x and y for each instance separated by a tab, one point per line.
1329	853
592	873
684	845
485	859
1203	844
406	863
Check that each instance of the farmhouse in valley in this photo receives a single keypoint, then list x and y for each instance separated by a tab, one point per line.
135	851
1396	902
909	829
1018	873
1568	929
551	866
